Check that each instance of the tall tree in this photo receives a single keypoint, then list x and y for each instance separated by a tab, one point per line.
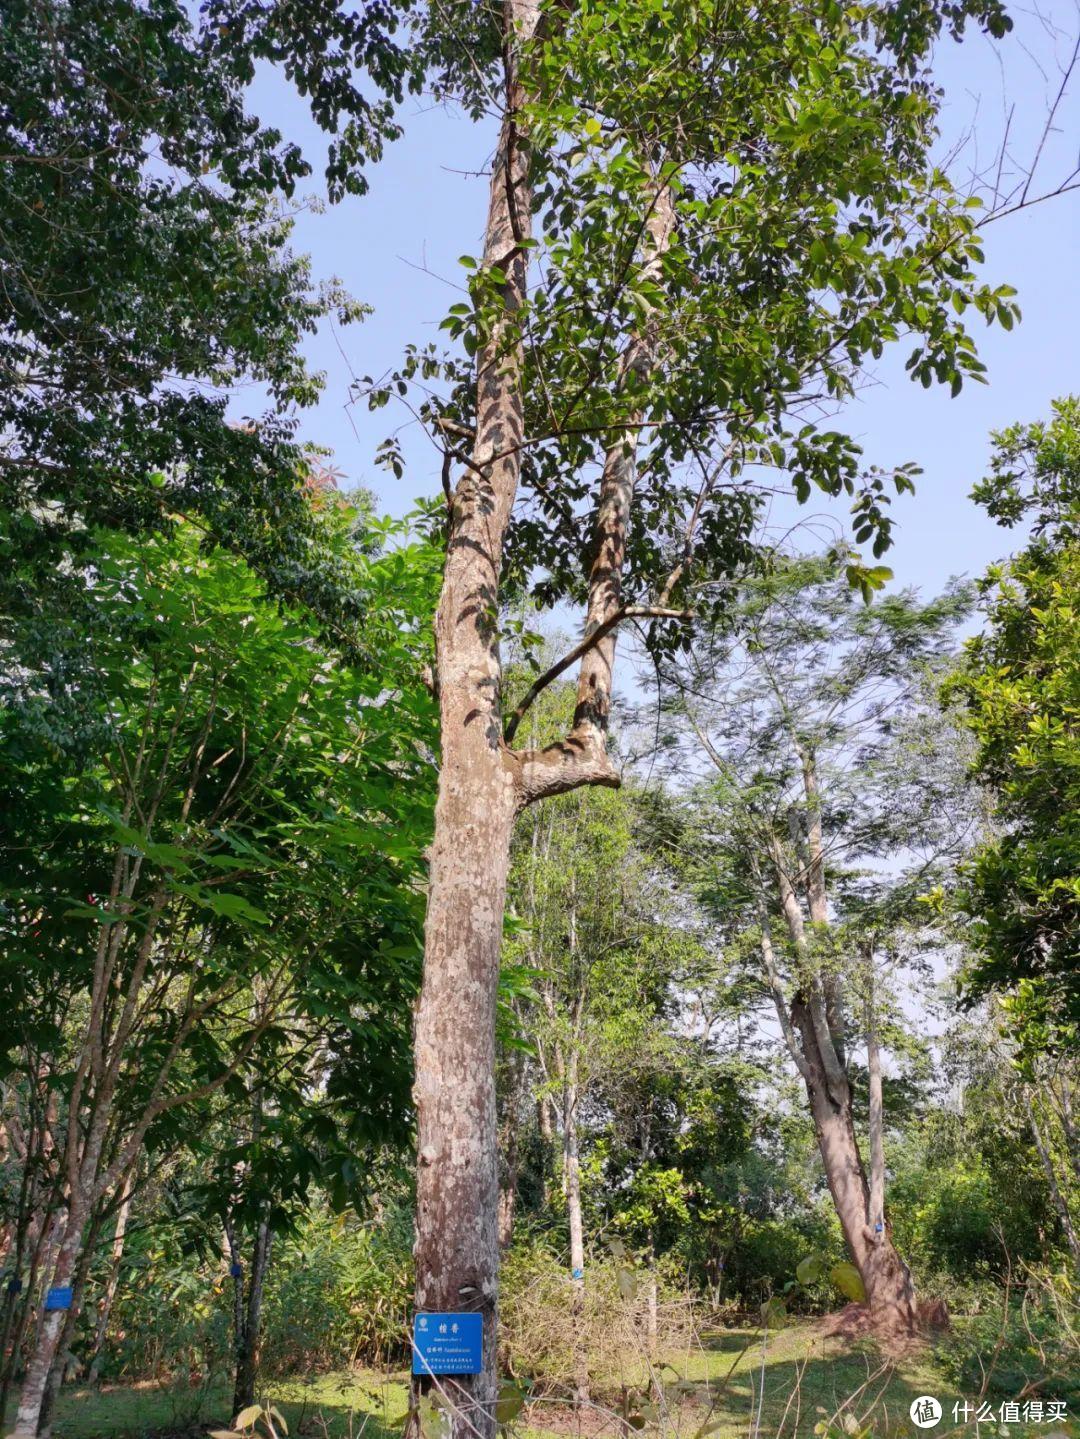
729	210
803	710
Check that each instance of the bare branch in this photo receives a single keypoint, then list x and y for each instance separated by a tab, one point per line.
625	612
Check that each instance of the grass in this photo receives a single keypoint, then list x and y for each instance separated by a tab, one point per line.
804	1379
790	1384
348	1402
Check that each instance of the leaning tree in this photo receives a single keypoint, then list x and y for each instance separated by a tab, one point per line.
702	221
833	797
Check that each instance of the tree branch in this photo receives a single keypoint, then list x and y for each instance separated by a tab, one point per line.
625	612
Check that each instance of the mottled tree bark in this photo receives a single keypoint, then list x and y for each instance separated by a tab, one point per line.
457	1180
116	1258
483	784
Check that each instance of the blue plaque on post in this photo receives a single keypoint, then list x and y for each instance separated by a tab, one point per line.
58	1298
448	1344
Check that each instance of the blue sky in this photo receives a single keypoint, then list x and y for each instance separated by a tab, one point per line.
397	248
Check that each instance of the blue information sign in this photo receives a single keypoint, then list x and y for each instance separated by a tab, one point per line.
448	1344
59	1298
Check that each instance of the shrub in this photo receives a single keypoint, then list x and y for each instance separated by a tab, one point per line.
540	1343
1029	1347
340	1293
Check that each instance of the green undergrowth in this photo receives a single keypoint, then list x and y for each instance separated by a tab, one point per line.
713	1390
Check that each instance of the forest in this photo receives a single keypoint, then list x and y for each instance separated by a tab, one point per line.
557	920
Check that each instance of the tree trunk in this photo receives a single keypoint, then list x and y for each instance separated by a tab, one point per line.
43	1237
577	1235
1068	1124
247	1338
62	1359
890	1293
571	1099
457	1250
112	1284
877	1111
483	783
1059	1201
29	1228
63	1273
507	1205
816	1018
572	1178
457	1181
572	1188
817	896
510	1149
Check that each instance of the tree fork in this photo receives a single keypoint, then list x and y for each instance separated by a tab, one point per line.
484	785
456	1250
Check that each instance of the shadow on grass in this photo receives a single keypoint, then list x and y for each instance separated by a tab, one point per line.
824	1380
326	1407
805	1381
729	1342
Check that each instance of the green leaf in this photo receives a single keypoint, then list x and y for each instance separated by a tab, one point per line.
847	1279
433	1419
774	1313
810	1269
509	1403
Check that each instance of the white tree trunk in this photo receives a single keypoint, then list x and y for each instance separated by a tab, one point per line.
877	1113
572	1181
1059	1201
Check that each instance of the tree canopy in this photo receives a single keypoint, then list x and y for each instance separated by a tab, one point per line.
1020	686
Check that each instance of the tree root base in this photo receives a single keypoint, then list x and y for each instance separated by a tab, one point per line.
891	1330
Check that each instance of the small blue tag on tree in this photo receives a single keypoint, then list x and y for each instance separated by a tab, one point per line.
448	1344
58	1298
